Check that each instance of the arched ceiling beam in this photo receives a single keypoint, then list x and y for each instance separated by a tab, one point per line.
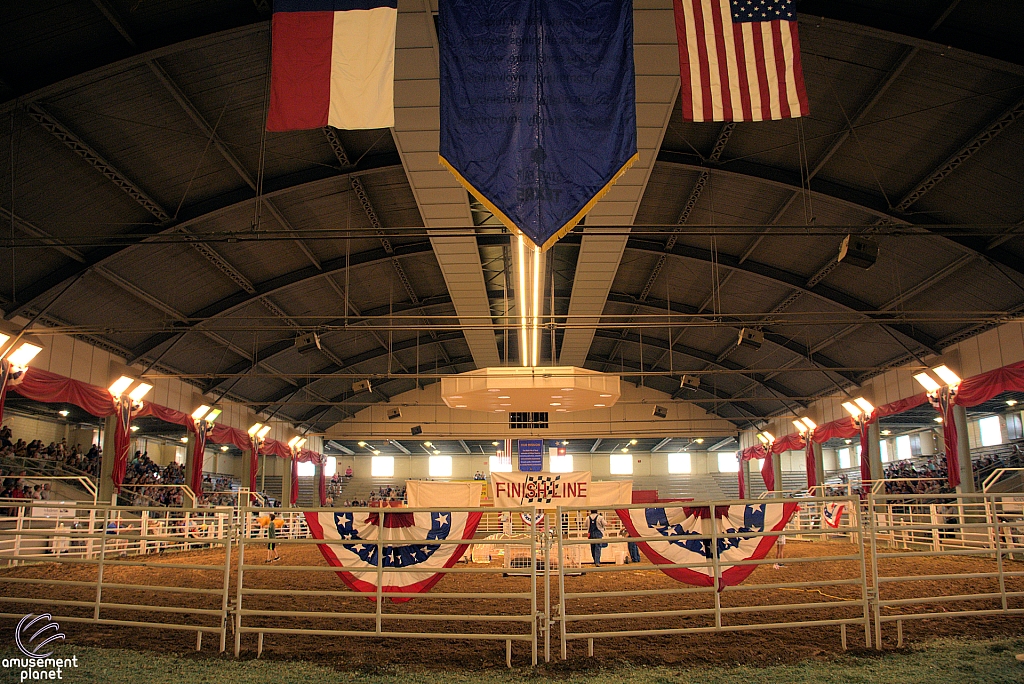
238	300
777	275
710	399
834	192
35	293
284	346
345	397
348	364
782	394
790	344
252	24
950	40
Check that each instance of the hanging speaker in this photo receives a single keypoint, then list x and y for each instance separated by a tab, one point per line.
360	386
750	338
858	251
660	412
394	413
689	382
416	430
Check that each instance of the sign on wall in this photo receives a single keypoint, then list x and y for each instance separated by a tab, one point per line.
531	455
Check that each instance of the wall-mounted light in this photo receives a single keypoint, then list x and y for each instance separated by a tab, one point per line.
135	428
224	448
64	413
120	385
765	437
858	407
804	425
699	440
946	375
296	442
207	414
1011	402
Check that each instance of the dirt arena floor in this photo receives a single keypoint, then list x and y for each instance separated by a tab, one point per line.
754	647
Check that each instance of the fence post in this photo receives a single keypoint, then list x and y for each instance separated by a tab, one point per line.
547	586
715	564
380	569
19	524
561	584
243	522
873	537
99	573
227	583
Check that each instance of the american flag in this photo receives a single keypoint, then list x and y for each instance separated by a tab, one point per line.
739	60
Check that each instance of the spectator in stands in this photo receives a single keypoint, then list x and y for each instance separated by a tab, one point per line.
5	437
348	472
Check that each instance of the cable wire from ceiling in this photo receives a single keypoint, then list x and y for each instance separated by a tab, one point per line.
853	132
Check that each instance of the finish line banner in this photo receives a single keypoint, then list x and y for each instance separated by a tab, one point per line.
543	490
538	106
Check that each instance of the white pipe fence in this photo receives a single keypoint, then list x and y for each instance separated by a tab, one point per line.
872	581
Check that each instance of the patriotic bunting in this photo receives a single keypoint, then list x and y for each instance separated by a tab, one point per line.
832	513
408	547
727	520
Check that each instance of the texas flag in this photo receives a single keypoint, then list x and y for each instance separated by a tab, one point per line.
332	64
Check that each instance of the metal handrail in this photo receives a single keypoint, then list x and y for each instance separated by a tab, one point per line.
996	475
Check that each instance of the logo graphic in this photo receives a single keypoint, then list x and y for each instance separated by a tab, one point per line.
32	643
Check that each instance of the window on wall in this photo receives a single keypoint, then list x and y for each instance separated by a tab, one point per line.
1014	428
620	464
903	450
679	464
179	456
382	466
307	469
883	450
991	432
440	466
331	467
727	462
560	464
844	457
500	464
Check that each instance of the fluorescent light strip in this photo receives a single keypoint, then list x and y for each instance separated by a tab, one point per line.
536	302
521	302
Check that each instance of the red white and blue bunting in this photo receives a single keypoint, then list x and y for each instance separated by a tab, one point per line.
728	520
832	513
408	535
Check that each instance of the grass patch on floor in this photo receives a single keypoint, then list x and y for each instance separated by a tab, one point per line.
937	662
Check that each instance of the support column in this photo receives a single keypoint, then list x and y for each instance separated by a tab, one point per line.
963	450
246	468
316	485
875	451
819	464
106	485
777	471
190	462
286	483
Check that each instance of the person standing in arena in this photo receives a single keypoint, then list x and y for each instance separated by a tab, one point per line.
595	530
272	536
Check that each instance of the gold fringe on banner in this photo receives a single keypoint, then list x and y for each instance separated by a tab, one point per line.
561	232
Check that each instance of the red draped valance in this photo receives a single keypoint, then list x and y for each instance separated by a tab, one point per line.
981	388
44	386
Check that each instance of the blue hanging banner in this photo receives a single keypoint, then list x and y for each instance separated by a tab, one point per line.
538	106
531	455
